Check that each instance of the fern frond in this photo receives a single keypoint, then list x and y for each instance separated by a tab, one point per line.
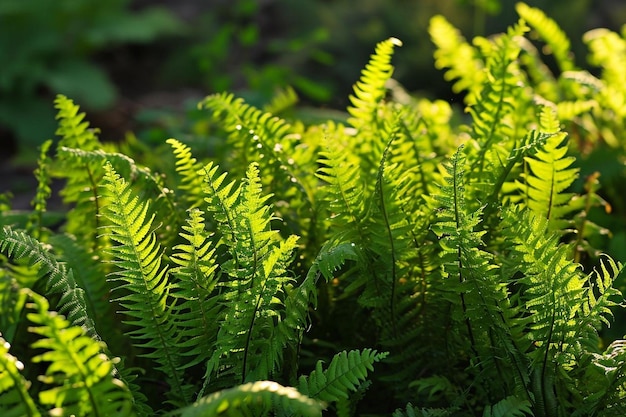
148	184
15	400
81	188
549	31
549	175
254	399
499	102
78	373
283	100
371	88
345	372
606	389
39	202
187	167
508	407
471	274
73	130
249	347
345	192
197	310
145	283
59	279
462	60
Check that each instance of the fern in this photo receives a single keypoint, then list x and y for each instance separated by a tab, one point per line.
82	178
58	278
549	31
462	60
188	167
370	90
548	176
145	283
15	400
345	372
197	309
499	101
78	375
254	398
44	191
248	347
469	273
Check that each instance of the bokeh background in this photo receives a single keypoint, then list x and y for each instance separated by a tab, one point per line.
135	65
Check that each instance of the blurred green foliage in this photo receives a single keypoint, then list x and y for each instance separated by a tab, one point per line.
45	47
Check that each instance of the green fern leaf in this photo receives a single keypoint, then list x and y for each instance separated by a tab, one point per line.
39	203
197	309
73	130
15	400
346	371
499	101
549	175
462	60
371	88
549	31
249	345
508	407
59	279
345	192
145	283
254	399
79	374
187	167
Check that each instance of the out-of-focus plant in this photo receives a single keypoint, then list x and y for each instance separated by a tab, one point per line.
47	45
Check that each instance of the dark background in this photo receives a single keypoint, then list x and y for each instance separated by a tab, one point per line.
141	66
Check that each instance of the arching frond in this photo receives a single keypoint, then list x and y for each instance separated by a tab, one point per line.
254	398
248	345
145	283
550	32
188	167
371	88
462	59
15	400
345	372
59	279
79	377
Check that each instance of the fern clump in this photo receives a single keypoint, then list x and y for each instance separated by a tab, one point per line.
403	259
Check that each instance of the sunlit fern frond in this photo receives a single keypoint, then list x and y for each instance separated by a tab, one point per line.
462	59
190	180
371	88
15	399
197	310
17	244
549	31
259	398
72	128
79	377
498	106
251	340
344	191
482	309
147	185
142	282
549	175
345	372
